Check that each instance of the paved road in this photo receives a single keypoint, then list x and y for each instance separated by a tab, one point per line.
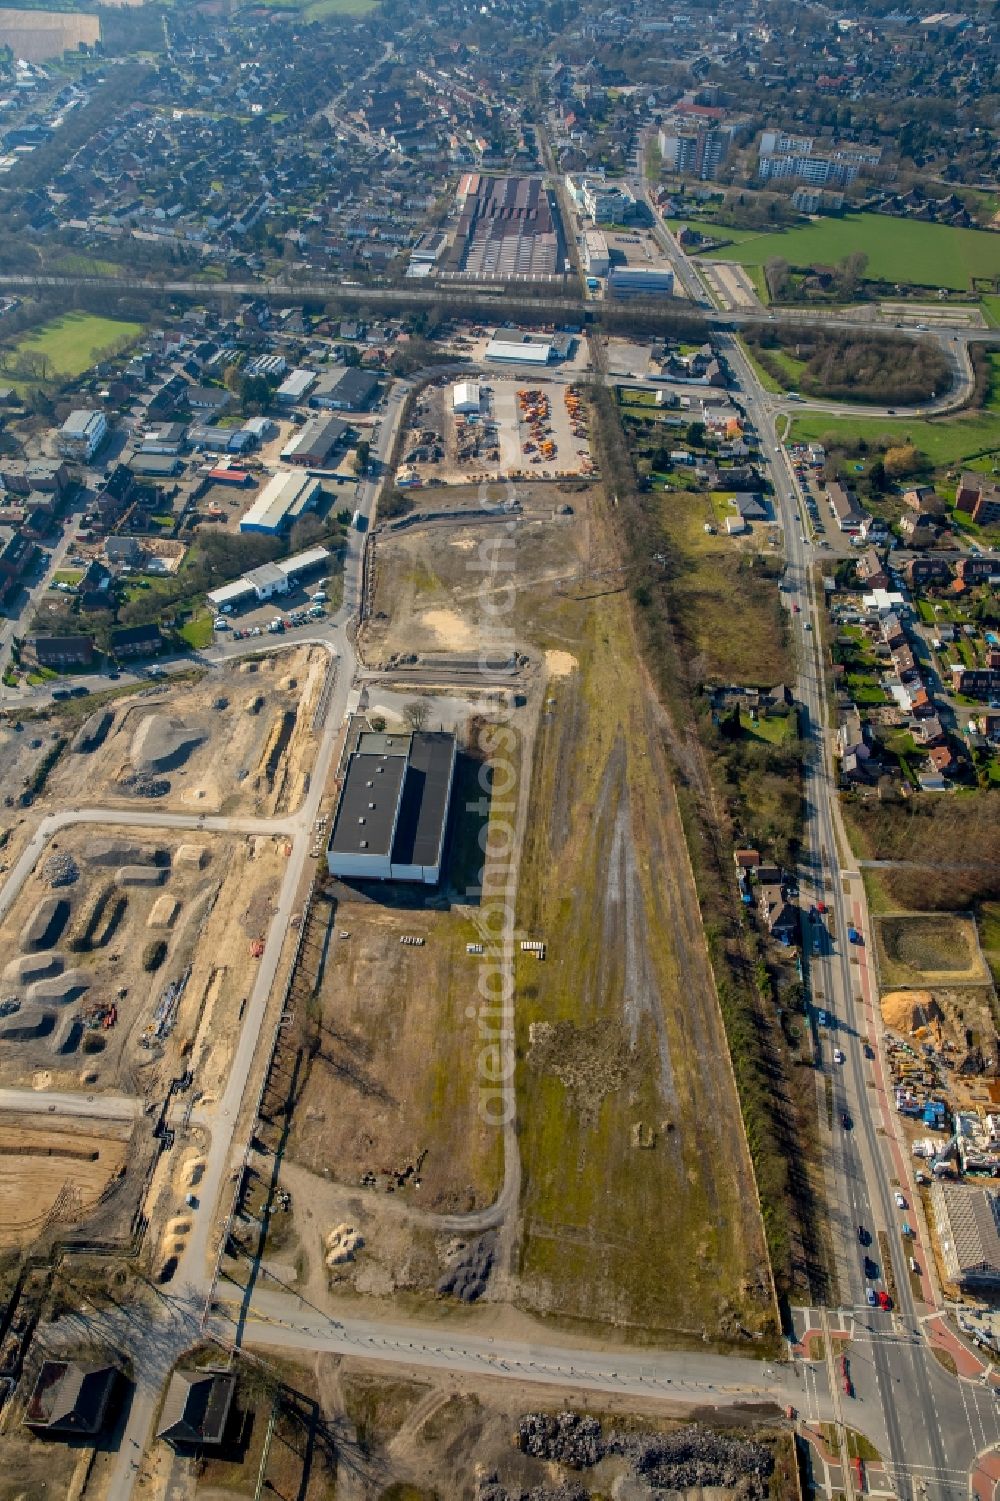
283	1320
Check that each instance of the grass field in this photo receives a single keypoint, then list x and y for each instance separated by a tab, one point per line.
321	10
620	1038
945	440
904	251
72	341
730	617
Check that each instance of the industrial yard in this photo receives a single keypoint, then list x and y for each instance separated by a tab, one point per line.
500	427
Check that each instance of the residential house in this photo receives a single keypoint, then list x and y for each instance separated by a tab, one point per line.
921	703
943	760
924	500
746	859
988	724
977	569
81	435
929	731
17	556
926	570
979	498
872	570
750	506
916	530
129	641
71	1399
780	915
95	589
62	651
975	682
196	1408
846	511
124	550
115	497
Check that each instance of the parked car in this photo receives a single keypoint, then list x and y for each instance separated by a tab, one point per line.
900	1200
838	1055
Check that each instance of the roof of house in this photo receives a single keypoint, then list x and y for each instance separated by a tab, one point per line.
196	1406
71	1397
968	1225
135	635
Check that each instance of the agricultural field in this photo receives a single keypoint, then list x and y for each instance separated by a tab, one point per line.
70	344
37	35
898	250
946	441
54	1173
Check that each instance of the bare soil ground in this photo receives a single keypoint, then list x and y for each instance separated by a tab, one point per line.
414	1436
391	1083
61	1170
238	741
429	580
921	949
638	1206
76	957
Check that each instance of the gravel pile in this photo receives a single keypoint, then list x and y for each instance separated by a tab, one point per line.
60	870
143	784
467	1277
93	731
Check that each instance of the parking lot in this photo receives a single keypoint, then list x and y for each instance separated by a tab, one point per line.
297	609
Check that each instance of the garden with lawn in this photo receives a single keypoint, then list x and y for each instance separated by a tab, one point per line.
65	347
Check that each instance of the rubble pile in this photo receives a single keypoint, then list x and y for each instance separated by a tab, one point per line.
695	1456
467	1277
568	1437
144	784
678	1461
489	1488
60	870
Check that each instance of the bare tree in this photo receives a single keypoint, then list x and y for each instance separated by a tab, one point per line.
416	712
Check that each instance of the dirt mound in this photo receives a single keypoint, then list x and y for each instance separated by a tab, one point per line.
192	854
116	852
59	990
909	1010
45	927
60	870
164	913
162	743
32	967
92	733
140	875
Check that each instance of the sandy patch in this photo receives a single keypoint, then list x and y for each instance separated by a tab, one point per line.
450	629
559	664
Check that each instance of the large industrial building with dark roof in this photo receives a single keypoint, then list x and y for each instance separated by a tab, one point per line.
393	811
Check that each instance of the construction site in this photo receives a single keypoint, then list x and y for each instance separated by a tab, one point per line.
508	427
131	955
942	1043
393	1180
239	740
